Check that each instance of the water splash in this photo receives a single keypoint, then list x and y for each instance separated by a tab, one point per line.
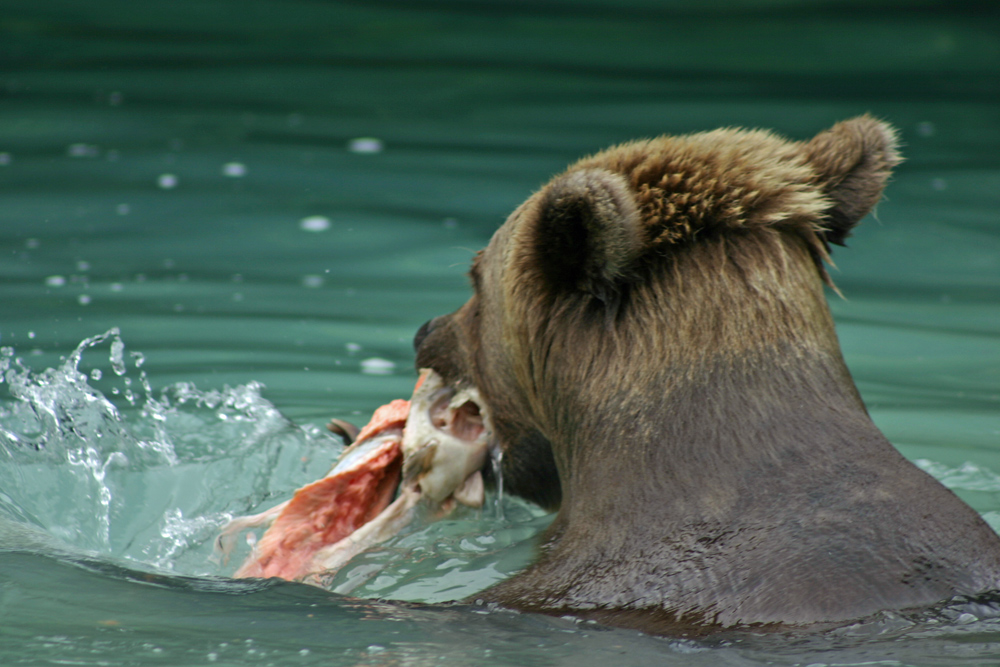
109	466
967	477
449	559
143	476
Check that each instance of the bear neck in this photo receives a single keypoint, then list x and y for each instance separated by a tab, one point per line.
726	361
686	454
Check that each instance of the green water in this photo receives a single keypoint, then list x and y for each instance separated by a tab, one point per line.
268	198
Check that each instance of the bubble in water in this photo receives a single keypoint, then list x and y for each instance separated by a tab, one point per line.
83	150
55	281
83	299
95	374
315	223
353	347
365	145
83	266
234	169
377	366
167	181
5	159
312	281
122	209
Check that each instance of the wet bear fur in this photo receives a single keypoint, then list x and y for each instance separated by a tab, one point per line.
651	336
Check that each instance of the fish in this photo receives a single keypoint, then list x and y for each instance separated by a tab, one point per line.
428	450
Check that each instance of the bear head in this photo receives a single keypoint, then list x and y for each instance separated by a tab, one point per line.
640	263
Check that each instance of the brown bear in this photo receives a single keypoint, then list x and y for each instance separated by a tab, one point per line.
650	335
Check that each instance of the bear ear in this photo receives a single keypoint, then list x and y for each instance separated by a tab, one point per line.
587	233
853	161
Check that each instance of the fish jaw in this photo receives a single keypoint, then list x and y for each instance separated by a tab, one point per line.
446	441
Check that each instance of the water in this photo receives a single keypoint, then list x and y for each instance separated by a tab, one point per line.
223	222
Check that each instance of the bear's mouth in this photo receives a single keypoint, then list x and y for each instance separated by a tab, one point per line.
429	449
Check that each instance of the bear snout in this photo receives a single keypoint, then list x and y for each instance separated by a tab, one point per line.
421	334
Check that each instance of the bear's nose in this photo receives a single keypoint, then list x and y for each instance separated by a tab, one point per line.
422	332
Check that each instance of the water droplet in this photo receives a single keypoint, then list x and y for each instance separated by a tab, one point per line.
117	356
377	366
304	651
312	281
353	347
167	181
31	334
83	299
365	145
55	281
234	169
315	223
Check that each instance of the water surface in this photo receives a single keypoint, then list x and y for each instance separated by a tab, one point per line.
223	221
